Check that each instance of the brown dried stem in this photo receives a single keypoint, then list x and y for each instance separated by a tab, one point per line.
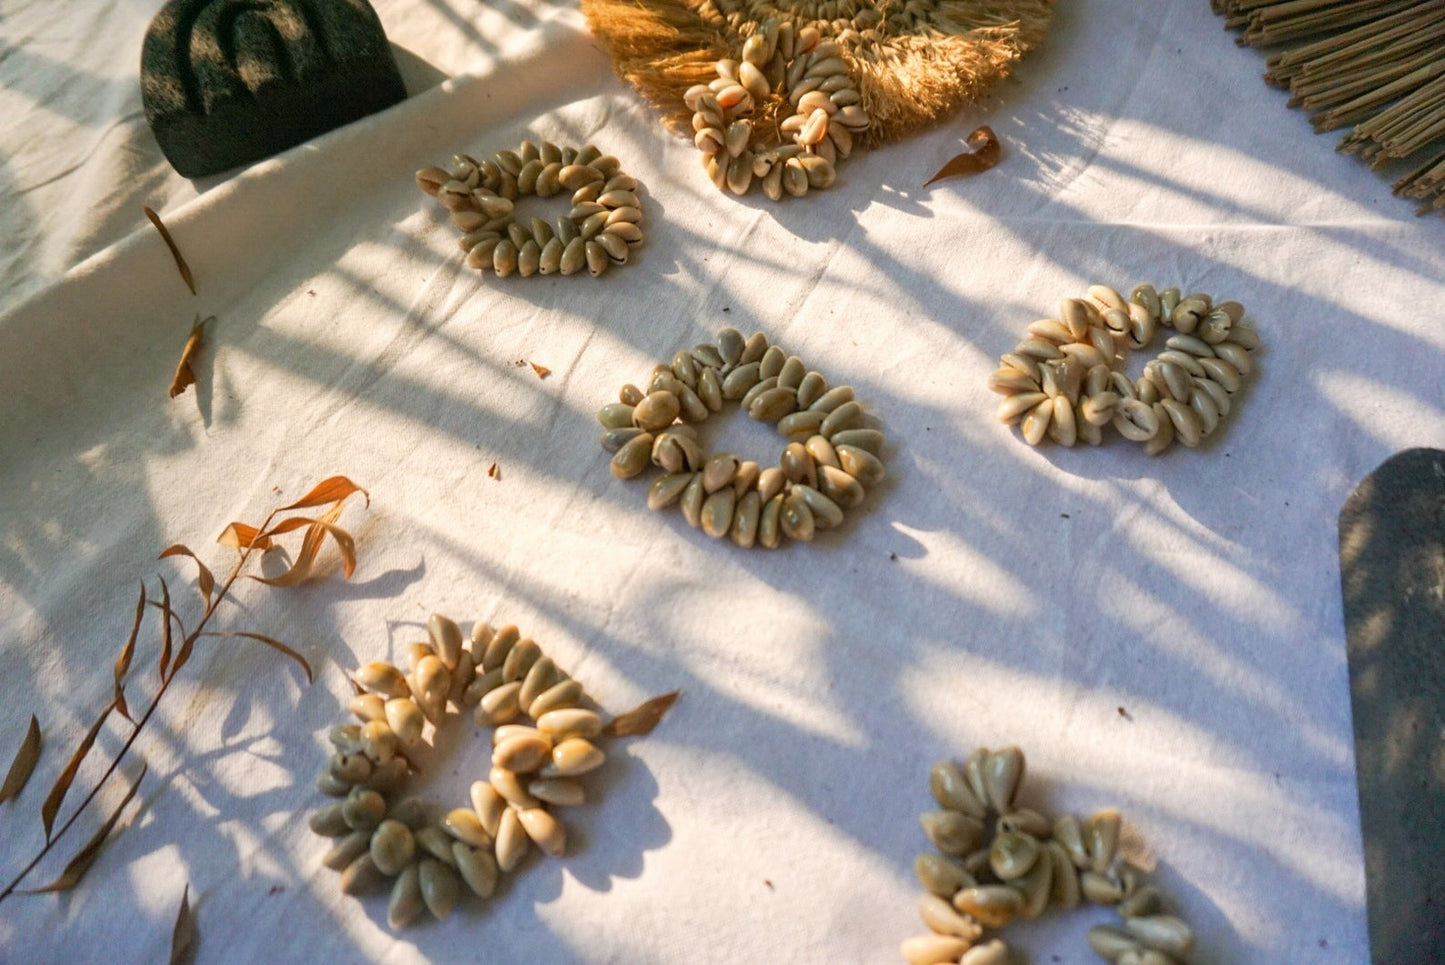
335	490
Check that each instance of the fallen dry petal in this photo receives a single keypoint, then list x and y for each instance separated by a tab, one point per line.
642	719
185	375
181	265
23	763
183	935
982	154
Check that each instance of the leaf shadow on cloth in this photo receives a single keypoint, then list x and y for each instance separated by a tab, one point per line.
986	580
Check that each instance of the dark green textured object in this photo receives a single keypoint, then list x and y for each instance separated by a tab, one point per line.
228	82
1392	575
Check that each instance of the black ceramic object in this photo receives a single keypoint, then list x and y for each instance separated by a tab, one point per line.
1392	571
228	82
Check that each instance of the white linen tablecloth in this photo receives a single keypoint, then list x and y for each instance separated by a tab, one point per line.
1163	635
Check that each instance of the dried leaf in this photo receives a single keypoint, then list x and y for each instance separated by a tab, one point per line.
642	719
240	536
332	490
51	807
24	762
982	154
165	606
122	662
270	642
205	578
81	863
183	936
541	370
495	472
311	546
181	265
185	375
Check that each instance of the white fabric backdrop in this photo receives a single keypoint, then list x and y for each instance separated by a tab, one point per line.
1162	635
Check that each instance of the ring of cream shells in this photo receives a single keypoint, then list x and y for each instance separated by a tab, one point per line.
602	227
998	861
780	66
826	468
1063	381
534	767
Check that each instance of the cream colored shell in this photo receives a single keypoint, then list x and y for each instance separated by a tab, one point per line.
502	678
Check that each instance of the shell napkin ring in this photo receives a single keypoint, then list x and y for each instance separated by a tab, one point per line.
739	125
1062	379
998	861
600	230
535	767
826	468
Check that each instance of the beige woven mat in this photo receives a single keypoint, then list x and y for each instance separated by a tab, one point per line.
916	62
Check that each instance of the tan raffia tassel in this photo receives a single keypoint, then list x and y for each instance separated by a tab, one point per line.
1376	67
915	63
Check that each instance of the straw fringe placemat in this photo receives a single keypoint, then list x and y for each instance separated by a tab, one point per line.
914	62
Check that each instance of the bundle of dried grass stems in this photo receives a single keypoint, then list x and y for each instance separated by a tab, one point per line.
914	61
1375	65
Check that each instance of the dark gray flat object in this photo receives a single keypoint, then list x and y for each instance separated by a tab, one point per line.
1392	575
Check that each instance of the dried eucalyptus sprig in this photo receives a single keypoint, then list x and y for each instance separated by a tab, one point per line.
176	647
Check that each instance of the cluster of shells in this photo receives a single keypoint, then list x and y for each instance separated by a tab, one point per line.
827	468
600	230
999	861
849	22
1063	381
534	766
781	63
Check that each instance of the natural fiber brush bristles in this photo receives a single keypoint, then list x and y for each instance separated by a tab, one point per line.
915	63
1377	66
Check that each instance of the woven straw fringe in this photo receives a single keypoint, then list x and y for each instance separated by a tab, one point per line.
1376	66
916	64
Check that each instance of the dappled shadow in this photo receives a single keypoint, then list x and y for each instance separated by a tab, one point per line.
1135	623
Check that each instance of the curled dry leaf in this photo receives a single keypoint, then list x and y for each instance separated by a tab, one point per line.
240	536
166	612
541	370
181	265
316	532
23	763
185	375
640	720
332	490
51	807
82	861
205	580
982	154
122	662
183	935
